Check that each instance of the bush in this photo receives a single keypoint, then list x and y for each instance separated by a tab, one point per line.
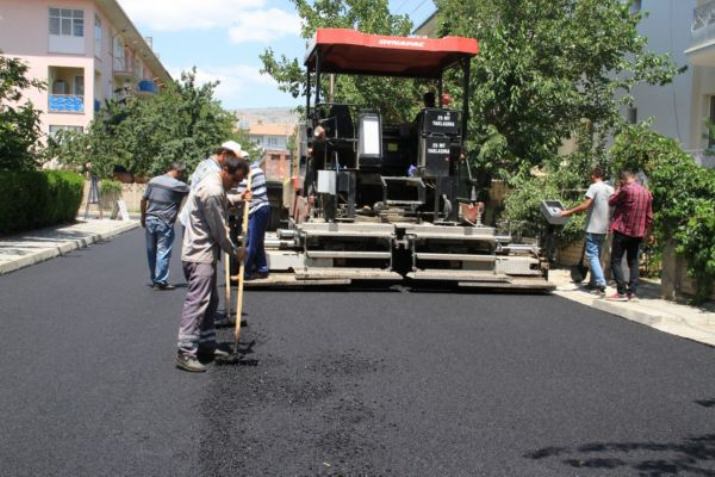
683	198
33	199
108	186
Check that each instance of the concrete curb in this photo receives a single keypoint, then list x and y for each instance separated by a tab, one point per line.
65	248
659	320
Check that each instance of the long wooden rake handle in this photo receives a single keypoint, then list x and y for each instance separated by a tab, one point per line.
242	267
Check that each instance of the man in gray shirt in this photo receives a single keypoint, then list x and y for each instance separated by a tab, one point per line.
596	203
205	236
159	207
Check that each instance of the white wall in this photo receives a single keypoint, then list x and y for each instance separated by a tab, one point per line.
667	28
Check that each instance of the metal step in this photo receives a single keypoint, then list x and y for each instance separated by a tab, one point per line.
459	275
338	273
456	257
348	254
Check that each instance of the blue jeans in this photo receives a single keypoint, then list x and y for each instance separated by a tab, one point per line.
594	247
255	250
159	241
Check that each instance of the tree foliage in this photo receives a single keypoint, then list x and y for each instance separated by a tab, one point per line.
19	121
397	99
544	67
683	197
183	122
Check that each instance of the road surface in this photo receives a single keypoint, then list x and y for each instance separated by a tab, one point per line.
339	383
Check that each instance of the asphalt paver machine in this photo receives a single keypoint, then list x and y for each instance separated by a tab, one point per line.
391	202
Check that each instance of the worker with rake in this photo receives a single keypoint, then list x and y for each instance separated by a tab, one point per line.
206	234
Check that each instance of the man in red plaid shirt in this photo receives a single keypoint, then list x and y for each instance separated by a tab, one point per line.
632	220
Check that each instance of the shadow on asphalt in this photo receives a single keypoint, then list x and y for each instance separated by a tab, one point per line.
391	287
693	455
706	402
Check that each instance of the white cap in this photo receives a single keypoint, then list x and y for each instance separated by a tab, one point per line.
236	148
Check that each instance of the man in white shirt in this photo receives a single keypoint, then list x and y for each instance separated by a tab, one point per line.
596	203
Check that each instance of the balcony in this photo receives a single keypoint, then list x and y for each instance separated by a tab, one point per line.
122	69
702	44
66	103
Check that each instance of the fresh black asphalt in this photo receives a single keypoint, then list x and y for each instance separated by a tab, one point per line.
338	383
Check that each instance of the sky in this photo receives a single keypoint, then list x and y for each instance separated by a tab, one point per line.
223	39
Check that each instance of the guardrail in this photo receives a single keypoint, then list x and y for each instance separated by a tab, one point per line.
66	103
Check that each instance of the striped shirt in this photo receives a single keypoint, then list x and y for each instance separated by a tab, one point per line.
633	213
259	191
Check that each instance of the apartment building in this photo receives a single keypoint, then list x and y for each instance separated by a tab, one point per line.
273	139
685	29
86	51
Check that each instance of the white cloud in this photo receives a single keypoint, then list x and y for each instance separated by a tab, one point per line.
237	82
176	15
246	20
264	26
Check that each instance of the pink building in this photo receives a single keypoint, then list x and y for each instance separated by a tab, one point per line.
86	51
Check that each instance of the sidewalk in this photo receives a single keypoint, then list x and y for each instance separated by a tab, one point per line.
694	323
29	248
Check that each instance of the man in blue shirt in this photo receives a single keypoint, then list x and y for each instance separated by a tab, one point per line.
159	207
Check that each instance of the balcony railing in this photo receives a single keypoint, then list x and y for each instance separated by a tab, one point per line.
123	68
66	103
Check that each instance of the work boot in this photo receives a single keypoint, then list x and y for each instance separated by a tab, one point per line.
213	353
189	363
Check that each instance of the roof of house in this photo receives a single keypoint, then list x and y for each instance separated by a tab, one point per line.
123	23
271	129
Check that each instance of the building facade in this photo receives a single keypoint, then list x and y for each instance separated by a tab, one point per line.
684	29
86	51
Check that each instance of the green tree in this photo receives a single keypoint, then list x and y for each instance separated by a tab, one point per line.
183	122
397	99
19	122
544	67
683	197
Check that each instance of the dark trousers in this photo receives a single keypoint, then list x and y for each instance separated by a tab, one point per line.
255	249
630	247
196	329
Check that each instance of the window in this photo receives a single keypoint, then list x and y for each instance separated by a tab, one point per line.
78	86
272	141
54	129
119	60
66	22
632	115
636	6
97	36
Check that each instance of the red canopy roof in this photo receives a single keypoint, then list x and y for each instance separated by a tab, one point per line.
352	52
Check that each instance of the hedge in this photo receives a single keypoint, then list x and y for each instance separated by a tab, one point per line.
33	199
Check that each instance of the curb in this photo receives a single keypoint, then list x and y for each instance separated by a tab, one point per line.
63	249
665	322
